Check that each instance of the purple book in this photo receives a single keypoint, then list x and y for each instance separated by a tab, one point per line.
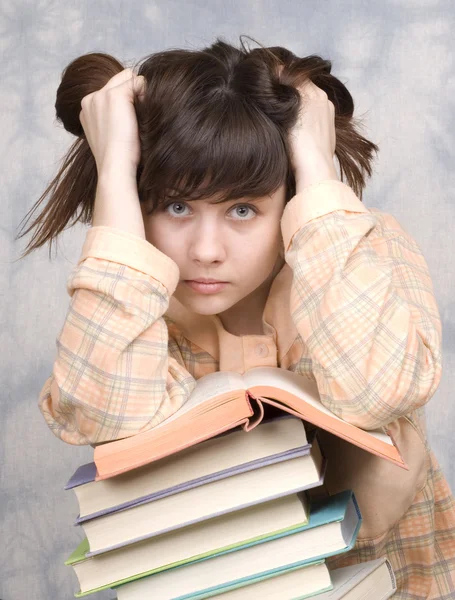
86	474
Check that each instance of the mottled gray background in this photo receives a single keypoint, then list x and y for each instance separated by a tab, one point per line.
396	58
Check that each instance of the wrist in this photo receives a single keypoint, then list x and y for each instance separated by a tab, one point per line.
314	172
117	203
115	175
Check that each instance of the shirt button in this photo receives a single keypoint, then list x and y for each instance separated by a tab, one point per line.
262	350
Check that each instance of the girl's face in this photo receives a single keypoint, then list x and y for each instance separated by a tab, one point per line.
237	242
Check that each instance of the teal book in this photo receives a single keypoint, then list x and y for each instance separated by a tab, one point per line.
332	528
313	578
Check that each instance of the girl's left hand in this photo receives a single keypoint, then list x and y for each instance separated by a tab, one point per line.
313	138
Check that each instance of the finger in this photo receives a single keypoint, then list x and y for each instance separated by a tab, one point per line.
119	78
135	86
114	81
139	85
307	93
308	88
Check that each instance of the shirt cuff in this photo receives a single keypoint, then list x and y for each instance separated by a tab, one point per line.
116	245
315	201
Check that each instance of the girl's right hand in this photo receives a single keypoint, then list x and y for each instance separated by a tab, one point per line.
110	124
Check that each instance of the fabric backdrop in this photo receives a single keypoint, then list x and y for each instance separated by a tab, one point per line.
396	58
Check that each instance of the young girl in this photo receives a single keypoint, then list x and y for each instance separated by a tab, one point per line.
222	238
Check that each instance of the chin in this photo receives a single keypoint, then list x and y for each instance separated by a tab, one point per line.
207	305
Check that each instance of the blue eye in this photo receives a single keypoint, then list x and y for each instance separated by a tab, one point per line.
244	207
179	205
242	212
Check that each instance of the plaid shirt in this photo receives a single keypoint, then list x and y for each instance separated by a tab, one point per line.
353	308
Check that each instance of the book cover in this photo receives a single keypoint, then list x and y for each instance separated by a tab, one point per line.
231	400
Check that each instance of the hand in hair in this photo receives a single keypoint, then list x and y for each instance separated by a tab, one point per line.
313	137
110	124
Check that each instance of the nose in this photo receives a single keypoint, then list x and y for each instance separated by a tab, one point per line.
206	246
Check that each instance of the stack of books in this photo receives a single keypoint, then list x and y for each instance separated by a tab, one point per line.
196	508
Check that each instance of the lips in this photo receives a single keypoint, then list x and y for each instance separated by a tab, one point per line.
206	286
202	280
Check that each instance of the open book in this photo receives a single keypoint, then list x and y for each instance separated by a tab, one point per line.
225	399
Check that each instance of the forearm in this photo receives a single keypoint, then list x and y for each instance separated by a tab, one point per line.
112	376
314	170
374	339
117	202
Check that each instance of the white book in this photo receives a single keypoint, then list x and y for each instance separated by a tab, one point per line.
371	580
312	579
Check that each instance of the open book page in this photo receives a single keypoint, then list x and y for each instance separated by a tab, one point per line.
299	386
208	387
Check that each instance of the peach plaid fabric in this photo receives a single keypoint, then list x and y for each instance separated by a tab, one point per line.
353	308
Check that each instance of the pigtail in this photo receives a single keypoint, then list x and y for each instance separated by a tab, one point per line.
287	72
71	193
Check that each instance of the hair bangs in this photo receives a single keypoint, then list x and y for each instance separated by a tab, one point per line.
229	150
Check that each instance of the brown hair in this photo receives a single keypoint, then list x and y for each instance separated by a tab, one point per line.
212	121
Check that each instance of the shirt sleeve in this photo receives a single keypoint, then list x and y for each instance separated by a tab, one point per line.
362	300
112	377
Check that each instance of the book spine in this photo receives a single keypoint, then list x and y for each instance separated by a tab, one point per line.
352	517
